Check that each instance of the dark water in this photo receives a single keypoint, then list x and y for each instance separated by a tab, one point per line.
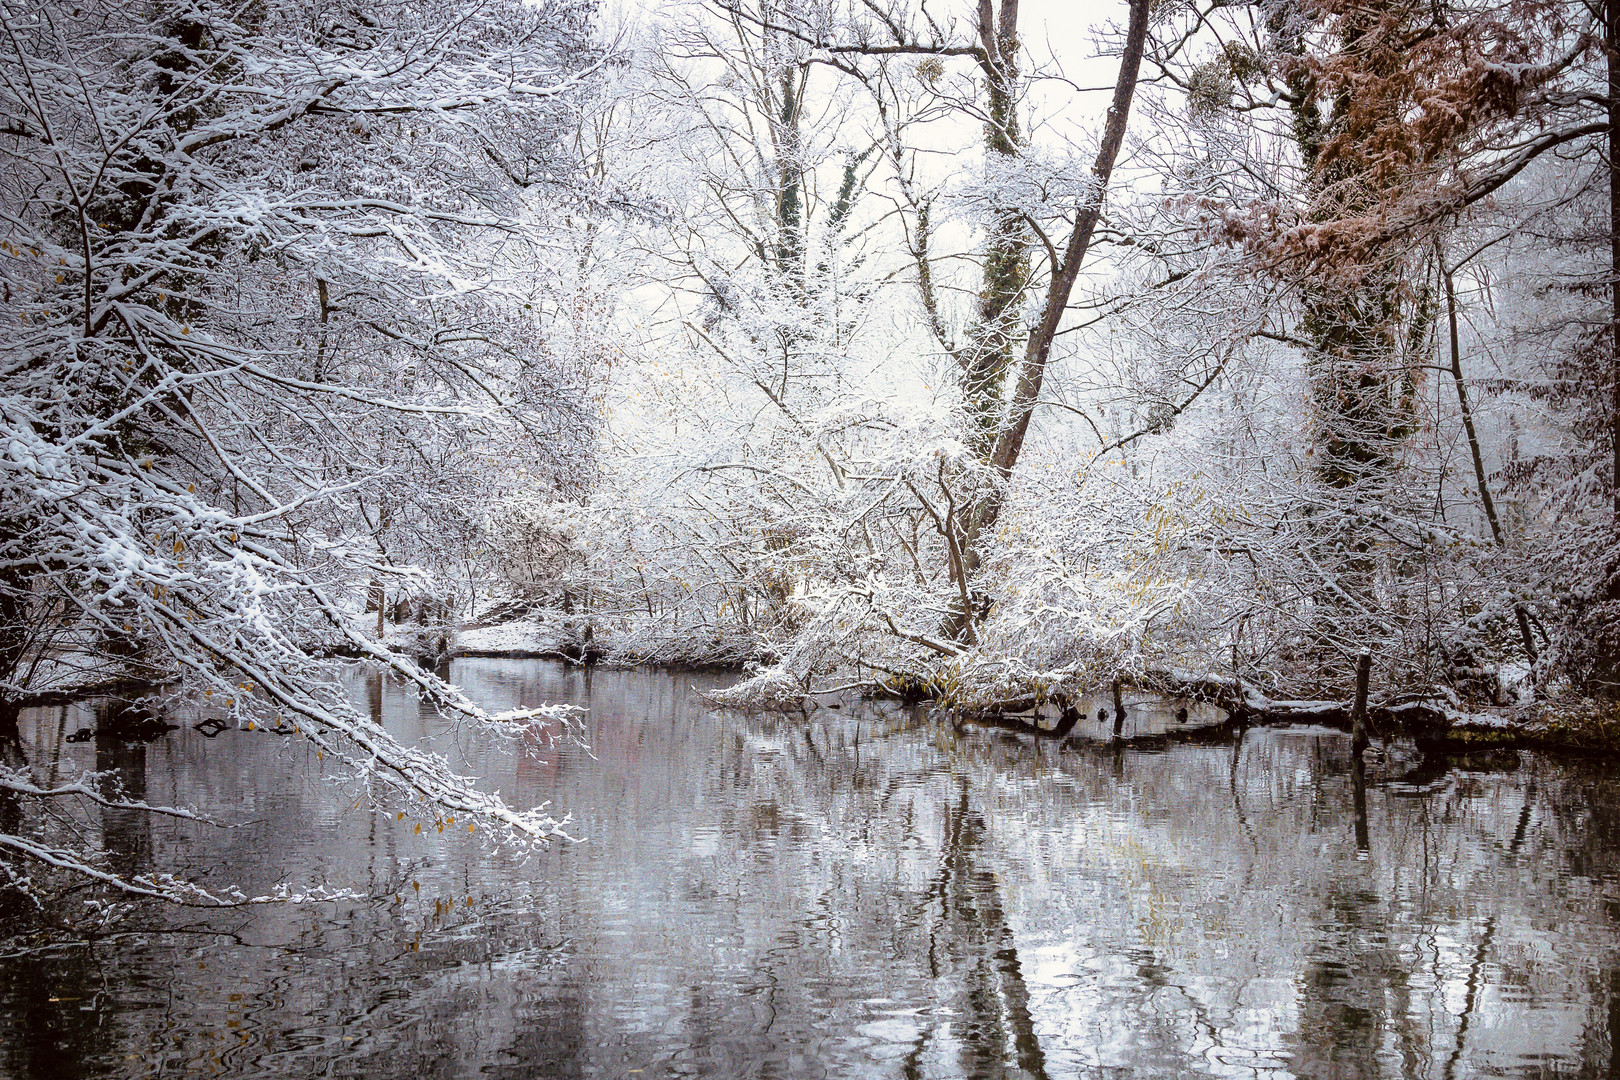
870	895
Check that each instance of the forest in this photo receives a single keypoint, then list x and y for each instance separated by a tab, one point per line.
880	346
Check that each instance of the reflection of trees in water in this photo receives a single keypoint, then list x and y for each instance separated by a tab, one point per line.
1352	992
1354	989
60	1023
59	801
551	1032
1574	832
126	835
61	1012
847	864
973	958
1387	907
1408	951
759	881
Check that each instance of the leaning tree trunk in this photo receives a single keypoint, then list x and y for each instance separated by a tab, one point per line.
1009	443
1480	479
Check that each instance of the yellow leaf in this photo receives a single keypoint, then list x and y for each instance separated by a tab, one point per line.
418	830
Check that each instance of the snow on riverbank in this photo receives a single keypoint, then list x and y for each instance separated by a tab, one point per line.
523	637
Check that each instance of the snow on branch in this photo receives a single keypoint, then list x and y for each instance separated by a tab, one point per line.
272	337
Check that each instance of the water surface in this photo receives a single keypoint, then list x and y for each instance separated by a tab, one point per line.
864	894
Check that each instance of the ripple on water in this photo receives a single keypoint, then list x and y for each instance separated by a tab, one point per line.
863	895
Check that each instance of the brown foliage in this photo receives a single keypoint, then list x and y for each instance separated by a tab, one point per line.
1421	107
1403	115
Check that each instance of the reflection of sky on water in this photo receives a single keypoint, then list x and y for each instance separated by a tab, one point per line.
866	895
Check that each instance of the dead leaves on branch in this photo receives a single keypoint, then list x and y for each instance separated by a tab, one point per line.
1405	115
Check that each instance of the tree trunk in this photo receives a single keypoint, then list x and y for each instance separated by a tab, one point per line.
1038	350
988	352
790	208
1479	459
1611	43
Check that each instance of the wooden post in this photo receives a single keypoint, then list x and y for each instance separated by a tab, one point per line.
1358	712
1119	711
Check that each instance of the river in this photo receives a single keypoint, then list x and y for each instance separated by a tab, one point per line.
864	894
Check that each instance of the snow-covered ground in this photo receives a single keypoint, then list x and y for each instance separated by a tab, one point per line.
524	637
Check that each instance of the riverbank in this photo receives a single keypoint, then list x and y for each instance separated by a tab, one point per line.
1565	725
1435	721
544	634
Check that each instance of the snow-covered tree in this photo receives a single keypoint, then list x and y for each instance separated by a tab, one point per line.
279	315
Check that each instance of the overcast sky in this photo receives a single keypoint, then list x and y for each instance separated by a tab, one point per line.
1058	34
1060	28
